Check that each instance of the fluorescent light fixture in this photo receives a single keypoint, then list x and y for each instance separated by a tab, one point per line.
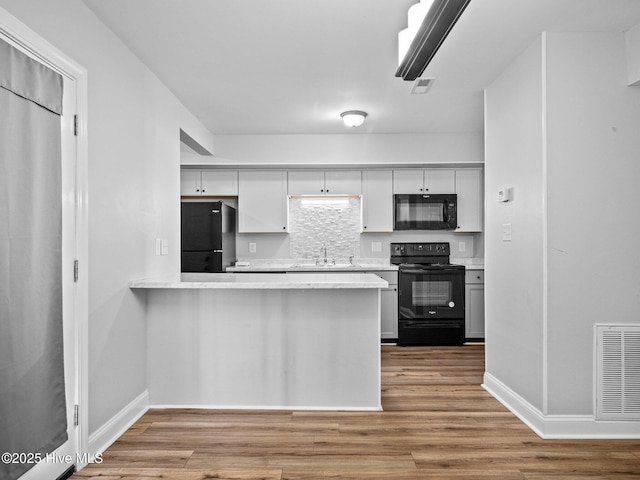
353	118
428	24
415	17
340	201
325	200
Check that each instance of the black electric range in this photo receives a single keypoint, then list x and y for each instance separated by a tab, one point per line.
430	295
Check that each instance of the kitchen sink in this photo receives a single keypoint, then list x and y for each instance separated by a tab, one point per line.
328	266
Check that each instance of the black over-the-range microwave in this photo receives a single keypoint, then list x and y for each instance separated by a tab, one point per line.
425	212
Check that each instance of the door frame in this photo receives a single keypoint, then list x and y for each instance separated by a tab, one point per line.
23	37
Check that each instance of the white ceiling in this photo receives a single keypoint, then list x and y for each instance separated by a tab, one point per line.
291	66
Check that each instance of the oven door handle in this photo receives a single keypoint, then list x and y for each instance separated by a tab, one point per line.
429	271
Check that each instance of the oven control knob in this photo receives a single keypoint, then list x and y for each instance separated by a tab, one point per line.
452	304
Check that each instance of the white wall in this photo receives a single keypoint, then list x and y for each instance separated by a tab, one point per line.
514	277
632	40
348	149
593	143
133	132
562	129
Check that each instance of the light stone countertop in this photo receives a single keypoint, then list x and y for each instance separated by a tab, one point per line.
263	281
469	263
306	265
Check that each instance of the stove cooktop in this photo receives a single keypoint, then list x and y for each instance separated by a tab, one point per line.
430	265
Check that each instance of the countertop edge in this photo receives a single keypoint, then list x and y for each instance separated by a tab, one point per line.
273	281
311	268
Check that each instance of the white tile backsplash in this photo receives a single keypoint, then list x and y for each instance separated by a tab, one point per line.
334	222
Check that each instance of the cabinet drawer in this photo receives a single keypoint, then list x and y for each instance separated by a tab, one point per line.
474	276
389	276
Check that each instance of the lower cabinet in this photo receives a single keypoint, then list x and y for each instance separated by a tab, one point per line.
389	306
474	308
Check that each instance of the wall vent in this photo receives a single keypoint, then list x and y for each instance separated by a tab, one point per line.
422	85
618	372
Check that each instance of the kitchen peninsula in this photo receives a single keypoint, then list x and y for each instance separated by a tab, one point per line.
264	340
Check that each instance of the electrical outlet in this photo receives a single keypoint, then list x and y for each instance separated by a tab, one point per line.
376	246
158	246
462	246
252	247
164	247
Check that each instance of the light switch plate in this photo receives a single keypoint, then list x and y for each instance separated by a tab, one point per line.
164	247
506	232
158	246
376	246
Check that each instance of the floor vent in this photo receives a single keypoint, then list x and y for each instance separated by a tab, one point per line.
618	372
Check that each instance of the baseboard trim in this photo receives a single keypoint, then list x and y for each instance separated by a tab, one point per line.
266	407
559	426
108	433
67	473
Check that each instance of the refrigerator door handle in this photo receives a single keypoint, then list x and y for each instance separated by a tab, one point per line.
215	211
217	251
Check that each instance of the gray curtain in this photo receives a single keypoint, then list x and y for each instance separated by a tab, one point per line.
32	389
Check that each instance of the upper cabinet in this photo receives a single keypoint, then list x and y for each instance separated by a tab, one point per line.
263	194
190	182
427	180
470	199
208	182
334	182
262	201
377	201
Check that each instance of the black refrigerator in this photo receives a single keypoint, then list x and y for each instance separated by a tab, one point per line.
208	236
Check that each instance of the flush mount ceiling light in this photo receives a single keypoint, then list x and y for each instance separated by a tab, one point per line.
353	118
429	23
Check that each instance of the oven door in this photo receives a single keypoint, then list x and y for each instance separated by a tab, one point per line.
430	293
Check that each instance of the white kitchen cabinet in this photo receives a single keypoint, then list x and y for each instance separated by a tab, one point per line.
343	182
470	199
262	201
334	182
377	201
222	183
474	304
190	182
389	306
424	180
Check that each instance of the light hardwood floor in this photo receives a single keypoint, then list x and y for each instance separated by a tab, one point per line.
437	424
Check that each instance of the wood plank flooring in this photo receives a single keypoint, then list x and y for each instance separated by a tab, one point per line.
437	424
